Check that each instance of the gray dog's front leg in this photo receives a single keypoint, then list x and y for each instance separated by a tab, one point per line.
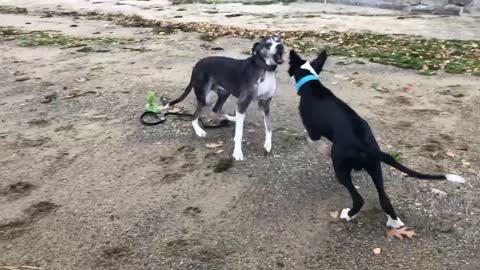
265	104
242	106
237	150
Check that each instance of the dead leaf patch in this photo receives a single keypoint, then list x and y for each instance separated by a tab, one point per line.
175	110
214	145
452	154
400	233
409	89
438	192
334	216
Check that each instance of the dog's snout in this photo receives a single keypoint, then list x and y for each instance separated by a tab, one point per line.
280	48
279	53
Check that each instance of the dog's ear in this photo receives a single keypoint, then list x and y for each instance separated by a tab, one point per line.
318	63
254	48
294	58
295	62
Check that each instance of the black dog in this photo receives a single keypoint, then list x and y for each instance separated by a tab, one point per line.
354	146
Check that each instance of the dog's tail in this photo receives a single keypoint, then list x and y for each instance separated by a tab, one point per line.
389	160
185	93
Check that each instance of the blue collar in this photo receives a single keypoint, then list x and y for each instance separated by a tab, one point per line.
304	80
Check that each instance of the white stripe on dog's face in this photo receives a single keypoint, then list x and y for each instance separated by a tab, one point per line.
273	48
308	67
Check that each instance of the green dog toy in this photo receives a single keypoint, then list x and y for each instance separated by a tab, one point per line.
151	106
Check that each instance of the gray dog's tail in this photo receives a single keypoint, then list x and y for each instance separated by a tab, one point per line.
185	93
389	160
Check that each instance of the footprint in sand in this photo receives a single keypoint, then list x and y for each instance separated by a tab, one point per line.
17	227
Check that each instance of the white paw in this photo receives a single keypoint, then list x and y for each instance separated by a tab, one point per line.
200	133
268	146
230	118
198	130
394	223
237	154
455	178
344	214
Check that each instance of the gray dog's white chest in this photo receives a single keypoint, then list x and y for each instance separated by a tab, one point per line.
267	86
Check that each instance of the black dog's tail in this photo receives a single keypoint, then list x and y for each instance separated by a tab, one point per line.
389	160
185	93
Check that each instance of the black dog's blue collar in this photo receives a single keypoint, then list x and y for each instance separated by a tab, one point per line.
304	80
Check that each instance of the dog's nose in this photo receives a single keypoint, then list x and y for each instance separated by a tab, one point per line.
280	48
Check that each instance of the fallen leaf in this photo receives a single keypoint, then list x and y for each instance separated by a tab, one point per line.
400	233
74	93
175	110
409	89
438	192
214	145
452	154
376	251
81	80
335	215
341	76
466	163
378	88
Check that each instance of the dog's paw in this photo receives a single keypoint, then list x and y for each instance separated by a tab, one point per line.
237	154
200	133
344	215
268	146
394	223
229	117
198	130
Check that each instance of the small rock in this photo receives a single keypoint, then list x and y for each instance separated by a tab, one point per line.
81	80
85	49
49	98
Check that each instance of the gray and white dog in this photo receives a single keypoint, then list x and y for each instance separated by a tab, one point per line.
247	79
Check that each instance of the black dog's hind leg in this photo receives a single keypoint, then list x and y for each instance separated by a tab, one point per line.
375	171
345	178
343	173
265	105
